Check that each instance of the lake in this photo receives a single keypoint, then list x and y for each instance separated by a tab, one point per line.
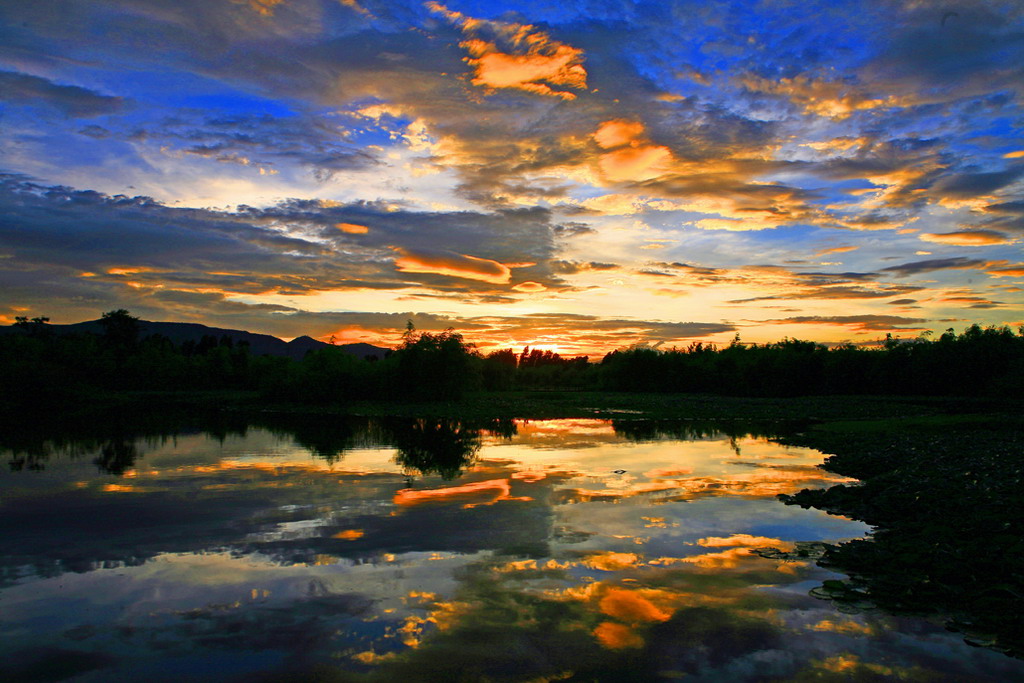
322	548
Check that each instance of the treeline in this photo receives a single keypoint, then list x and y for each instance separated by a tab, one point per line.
978	361
39	367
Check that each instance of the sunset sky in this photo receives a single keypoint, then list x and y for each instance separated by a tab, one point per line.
575	175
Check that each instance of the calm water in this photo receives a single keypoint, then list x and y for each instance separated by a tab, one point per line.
399	551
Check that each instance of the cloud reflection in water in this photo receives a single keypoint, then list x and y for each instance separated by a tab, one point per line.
520	555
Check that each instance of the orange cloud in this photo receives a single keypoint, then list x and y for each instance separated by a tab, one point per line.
352	228
531	565
846	627
843	144
832	99
122	488
740	540
617	636
353	5
453	264
836	250
668	472
967	238
527	72
264	7
762	482
727	559
618	132
615	204
350	534
631	158
134	270
631	164
611	561
632	607
531	60
496	489
1016	270
529	287
850	664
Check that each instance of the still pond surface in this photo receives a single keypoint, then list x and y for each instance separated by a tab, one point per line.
403	550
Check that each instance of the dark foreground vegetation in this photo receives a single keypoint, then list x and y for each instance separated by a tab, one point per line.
944	496
40	368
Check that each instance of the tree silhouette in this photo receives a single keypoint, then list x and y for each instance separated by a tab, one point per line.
120	327
435	366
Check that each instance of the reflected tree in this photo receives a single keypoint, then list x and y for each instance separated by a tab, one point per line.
442	446
656	430
502	427
326	437
117	456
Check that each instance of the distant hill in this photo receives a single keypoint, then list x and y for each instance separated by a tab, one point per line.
259	344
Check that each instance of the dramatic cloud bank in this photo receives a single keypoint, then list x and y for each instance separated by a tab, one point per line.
567	176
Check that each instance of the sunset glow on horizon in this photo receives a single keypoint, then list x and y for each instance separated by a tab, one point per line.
576	177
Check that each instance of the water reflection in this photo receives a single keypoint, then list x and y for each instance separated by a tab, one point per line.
348	549
436	444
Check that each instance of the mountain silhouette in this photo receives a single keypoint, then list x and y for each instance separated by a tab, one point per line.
179	333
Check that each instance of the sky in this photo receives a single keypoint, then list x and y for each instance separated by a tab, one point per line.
576	176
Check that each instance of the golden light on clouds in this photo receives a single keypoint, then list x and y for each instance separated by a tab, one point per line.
845	626
634	164
733	224
352	228
467	138
631	606
618	132
740	541
725	559
529	287
1007	271
615	636
454	265
759	483
831	99
265	7
474	493
133	270
836	250
631	158
611	561
614	204
843	144
850	664
355	6
527	59
350	534
534	72
967	238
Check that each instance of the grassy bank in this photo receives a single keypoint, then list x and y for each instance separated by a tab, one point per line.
944	494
